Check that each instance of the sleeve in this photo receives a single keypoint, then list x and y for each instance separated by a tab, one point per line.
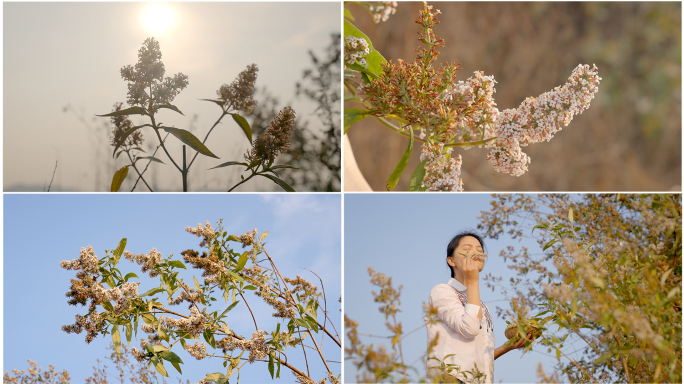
451	311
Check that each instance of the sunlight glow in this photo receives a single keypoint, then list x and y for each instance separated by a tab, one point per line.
158	18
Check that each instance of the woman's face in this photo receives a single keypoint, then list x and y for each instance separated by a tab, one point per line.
469	247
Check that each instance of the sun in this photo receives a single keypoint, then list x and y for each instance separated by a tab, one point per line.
158	18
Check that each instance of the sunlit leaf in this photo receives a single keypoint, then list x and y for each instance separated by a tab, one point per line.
190	139
399	169
280	182
354	115
416	182
171	107
126	112
244	125
118	178
374	58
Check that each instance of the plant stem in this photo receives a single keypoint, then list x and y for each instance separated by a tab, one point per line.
207	136
136	170
243	181
148	164
577	365
156	130
185	173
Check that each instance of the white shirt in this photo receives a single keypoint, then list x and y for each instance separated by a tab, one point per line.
470	340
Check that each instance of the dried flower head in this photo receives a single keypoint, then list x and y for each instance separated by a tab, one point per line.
238	94
148	76
121	125
275	140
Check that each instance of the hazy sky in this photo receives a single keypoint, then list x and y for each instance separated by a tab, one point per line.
405	236
59	54
40	230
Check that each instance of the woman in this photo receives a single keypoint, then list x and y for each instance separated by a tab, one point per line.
464	336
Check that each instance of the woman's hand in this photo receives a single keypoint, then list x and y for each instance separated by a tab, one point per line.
521	343
471	271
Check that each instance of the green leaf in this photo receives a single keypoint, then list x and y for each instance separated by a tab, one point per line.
151	158
233	238
159	348
241	263
118	178
415	184
116	339
244	125
374	58
229	163
119	250
106	305
603	358
282	166
127	111
280	182
149	318
229	308
215	376
171	107
354	115
152	291
209	337
123	138
177	264
302	323
190	139
129	333
177	366
348	14
312	323
270	365
171	357
399	169
558	354
251	288
160	368
129	275
197	285
218	102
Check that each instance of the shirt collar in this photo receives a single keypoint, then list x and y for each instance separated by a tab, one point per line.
456	284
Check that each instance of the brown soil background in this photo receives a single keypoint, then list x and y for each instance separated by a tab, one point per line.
628	140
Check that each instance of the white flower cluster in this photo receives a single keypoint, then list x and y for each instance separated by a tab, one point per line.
119	296
442	172
193	324
198	350
188	294
207	233
256	345
356	50
238	94
383	10
538	119
476	94
139	356
149	261
87	263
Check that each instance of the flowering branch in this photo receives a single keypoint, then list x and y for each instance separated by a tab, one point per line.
222	267
149	91
446	113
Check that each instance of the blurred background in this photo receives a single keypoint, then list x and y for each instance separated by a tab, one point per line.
61	67
628	140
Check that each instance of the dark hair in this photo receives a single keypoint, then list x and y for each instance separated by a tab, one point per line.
453	244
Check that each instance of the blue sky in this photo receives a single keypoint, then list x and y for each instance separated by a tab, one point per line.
405	236
40	230
59	54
